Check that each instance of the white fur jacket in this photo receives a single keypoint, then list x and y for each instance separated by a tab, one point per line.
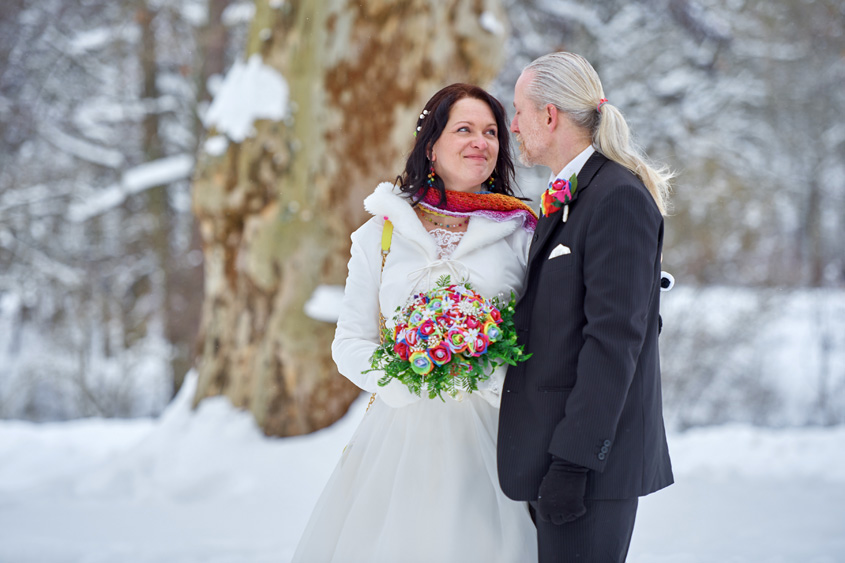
491	256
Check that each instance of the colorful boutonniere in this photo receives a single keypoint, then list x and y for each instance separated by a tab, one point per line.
559	195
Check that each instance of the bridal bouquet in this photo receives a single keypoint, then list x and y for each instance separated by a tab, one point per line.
448	340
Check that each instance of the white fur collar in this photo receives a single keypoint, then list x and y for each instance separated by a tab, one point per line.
388	202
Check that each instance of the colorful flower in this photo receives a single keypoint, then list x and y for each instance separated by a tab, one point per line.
426	329
435	305
421	363
561	192
456	341
496	315
412	337
478	345
492	331
440	354
454	313
401	350
416	319
398	332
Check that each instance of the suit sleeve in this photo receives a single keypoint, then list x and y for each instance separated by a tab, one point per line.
621	257
357	333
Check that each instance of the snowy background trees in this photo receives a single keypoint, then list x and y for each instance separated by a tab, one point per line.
101	106
100	266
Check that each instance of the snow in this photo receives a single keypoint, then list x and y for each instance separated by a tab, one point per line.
43	263
80	445
195	12
673	84
33	385
216	145
207	486
237	14
249	92
575	11
135	180
91	40
83	149
813	454
324	303
769	357
489	22
84	42
158	172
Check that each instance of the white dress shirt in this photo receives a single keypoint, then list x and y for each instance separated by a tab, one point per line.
575	165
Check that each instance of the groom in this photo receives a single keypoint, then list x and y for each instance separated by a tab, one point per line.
581	432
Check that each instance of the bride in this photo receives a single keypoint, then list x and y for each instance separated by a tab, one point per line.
418	481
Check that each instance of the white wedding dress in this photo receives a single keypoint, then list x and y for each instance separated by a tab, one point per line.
419	484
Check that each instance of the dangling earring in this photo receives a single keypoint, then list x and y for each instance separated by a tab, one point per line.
430	181
491	182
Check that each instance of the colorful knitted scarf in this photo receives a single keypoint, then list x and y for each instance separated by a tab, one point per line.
498	207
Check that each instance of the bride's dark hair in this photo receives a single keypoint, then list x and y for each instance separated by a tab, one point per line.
413	180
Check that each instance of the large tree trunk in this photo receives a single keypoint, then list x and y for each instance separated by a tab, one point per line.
276	210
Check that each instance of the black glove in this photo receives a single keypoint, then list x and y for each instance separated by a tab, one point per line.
561	497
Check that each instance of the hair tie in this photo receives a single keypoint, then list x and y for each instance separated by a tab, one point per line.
601	103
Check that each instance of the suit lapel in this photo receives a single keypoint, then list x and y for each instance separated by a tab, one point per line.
547	225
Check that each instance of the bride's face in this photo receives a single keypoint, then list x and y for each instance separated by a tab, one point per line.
465	155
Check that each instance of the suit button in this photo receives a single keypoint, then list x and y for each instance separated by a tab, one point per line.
607	443
602	456
604	449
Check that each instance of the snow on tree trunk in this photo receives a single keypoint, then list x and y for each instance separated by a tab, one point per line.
276	210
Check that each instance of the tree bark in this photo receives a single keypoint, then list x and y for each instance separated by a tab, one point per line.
276	210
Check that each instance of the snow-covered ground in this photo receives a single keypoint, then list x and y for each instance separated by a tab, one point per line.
207	486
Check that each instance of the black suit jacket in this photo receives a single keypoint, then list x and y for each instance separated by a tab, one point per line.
590	393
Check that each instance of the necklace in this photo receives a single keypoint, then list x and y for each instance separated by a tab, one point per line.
425	215
433	212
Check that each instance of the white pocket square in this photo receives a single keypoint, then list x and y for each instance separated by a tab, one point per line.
559	250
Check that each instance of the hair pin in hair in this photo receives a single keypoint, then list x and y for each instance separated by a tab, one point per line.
422	116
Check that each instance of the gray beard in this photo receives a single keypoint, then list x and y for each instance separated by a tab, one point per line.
525	160
524	157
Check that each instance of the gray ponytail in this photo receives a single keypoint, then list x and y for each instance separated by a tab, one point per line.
569	82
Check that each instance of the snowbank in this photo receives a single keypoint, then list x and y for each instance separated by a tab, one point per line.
207	486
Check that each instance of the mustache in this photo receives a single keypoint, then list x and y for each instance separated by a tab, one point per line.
523	157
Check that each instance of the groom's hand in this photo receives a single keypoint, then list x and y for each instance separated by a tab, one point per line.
561	497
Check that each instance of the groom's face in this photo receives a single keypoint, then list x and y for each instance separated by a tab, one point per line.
528	124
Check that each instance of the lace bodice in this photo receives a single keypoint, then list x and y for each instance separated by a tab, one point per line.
447	241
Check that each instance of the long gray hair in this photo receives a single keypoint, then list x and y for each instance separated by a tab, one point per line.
570	83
